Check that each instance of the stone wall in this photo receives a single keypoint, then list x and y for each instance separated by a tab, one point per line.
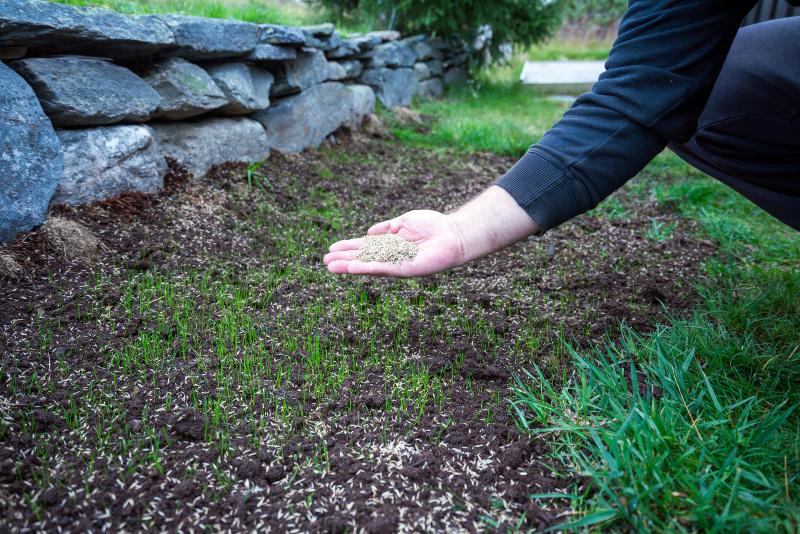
92	102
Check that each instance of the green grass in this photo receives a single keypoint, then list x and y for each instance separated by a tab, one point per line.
712	441
568	49
262	11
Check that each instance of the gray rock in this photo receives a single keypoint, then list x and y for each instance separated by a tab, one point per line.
456	76
435	67
30	157
82	91
366	42
200	145
392	54
456	60
305	120
347	48
186	90
362	105
46	27
207	38
422	71
430	89
438	43
411	40
352	67
281	35
425	51
327	44
336	71
268	52
309	68
101	163
394	87
245	87
325	29
384	35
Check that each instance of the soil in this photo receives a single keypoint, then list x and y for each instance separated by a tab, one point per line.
78	437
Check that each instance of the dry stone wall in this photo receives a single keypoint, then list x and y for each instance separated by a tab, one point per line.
93	102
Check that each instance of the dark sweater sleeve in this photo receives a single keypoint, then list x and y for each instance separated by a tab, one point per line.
658	77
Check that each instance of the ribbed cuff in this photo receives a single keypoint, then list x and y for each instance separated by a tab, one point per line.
543	189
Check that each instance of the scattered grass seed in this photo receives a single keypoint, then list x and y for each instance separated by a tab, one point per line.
389	248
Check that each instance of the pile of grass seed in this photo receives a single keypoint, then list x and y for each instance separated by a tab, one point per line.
387	248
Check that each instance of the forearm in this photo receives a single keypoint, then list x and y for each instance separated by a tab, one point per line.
491	221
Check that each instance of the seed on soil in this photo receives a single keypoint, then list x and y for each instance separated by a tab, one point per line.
388	248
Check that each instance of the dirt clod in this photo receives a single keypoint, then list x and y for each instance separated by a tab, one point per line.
72	239
388	248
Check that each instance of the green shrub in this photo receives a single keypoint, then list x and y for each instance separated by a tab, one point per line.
520	22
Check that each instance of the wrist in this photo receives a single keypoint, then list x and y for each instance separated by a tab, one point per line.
490	222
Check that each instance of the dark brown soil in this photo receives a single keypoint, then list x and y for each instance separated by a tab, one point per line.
352	459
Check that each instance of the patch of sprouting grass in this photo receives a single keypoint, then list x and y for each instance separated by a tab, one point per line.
694	427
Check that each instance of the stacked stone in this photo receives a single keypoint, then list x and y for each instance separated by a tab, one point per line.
396	68
93	102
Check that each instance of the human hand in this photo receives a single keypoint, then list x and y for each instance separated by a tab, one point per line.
437	236
488	223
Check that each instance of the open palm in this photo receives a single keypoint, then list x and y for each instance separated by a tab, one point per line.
440	247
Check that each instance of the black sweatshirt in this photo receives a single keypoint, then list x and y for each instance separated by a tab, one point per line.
658	77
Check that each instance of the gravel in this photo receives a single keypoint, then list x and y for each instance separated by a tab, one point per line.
388	248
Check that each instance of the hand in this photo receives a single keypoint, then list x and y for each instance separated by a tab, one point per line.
436	234
488	223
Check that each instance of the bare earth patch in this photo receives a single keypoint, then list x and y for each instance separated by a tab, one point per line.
205	370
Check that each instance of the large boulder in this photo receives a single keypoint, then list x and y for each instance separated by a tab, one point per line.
245	87
281	35
186	90
392	54
394	87
207	38
305	120
309	68
269	52
102	163
430	89
200	145
30	157
83	91
47	27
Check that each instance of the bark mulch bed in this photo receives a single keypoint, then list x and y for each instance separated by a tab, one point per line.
204	371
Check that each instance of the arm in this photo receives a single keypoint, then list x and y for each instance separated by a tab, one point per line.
658	77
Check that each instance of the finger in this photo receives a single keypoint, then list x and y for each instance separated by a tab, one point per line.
356	267
347	255
385	227
347	244
373	268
